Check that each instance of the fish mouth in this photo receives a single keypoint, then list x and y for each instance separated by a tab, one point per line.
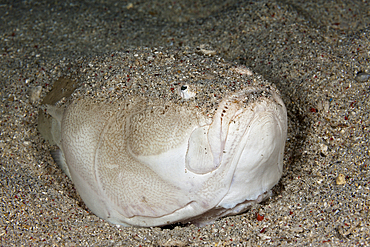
245	146
255	146
208	143
229	111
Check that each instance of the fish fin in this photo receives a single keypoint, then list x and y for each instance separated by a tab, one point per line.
58	157
56	123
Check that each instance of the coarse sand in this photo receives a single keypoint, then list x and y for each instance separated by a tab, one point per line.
316	53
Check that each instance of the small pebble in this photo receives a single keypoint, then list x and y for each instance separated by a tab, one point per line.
296	229
323	106
362	76
324	148
35	93
172	242
263	236
242	69
207	52
341	179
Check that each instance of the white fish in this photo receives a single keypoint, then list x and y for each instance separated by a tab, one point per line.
152	164
143	153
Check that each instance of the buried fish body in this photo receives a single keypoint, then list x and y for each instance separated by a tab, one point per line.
141	162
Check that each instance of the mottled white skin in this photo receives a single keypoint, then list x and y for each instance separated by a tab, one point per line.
153	164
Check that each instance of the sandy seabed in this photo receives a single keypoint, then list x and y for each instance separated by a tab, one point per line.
317	54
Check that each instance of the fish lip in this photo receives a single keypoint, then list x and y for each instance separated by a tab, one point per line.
269	104
252	95
229	109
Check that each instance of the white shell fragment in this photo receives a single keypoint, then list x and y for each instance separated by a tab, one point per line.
341	179
206	52
242	69
34	93
152	160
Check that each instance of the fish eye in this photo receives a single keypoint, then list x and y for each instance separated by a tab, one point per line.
187	92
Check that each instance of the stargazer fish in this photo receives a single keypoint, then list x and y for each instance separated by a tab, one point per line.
152	137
